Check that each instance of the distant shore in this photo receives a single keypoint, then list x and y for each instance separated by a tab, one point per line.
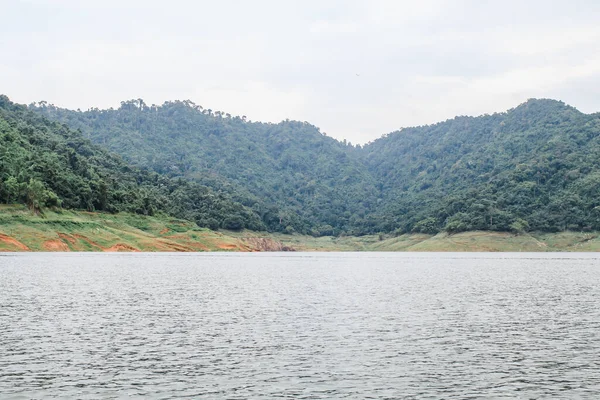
64	230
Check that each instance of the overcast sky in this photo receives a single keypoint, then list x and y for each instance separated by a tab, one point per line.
356	69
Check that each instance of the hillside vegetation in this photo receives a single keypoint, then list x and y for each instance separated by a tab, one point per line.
532	168
293	176
45	164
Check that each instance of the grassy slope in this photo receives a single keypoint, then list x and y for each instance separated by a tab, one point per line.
82	231
468	241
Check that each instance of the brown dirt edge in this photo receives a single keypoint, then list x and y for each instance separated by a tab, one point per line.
120	247
13	242
55	245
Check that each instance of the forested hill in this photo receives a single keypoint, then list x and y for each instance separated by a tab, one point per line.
534	167
46	164
305	181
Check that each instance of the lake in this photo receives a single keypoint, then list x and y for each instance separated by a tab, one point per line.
300	325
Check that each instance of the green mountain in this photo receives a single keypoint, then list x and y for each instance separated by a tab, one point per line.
46	164
534	167
296	178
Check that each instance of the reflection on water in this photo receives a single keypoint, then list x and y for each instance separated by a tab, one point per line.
299	326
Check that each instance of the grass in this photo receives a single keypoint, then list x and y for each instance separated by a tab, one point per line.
84	231
65	230
477	241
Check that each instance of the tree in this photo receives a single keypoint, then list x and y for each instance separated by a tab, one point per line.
11	189
35	195
234	223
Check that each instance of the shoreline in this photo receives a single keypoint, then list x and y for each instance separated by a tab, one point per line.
80	231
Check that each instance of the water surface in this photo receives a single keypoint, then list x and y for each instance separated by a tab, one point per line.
301	326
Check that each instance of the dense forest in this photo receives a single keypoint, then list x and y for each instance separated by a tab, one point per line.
311	183
534	167
46	164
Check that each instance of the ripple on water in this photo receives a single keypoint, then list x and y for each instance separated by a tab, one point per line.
303	326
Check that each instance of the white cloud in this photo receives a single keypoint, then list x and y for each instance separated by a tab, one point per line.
550	42
533	79
333	27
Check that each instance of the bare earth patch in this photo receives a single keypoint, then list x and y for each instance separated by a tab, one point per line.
266	244
121	247
55	245
227	246
13	242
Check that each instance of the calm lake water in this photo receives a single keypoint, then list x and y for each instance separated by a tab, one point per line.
300	326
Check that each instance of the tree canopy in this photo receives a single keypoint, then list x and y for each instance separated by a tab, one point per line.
533	167
46	164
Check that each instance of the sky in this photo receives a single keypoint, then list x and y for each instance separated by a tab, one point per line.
356	69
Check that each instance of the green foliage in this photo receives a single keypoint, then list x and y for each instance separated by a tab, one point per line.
10	189
46	164
427	225
534	167
290	174
459	222
233	223
519	226
34	195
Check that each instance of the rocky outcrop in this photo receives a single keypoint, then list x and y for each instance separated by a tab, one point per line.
266	244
